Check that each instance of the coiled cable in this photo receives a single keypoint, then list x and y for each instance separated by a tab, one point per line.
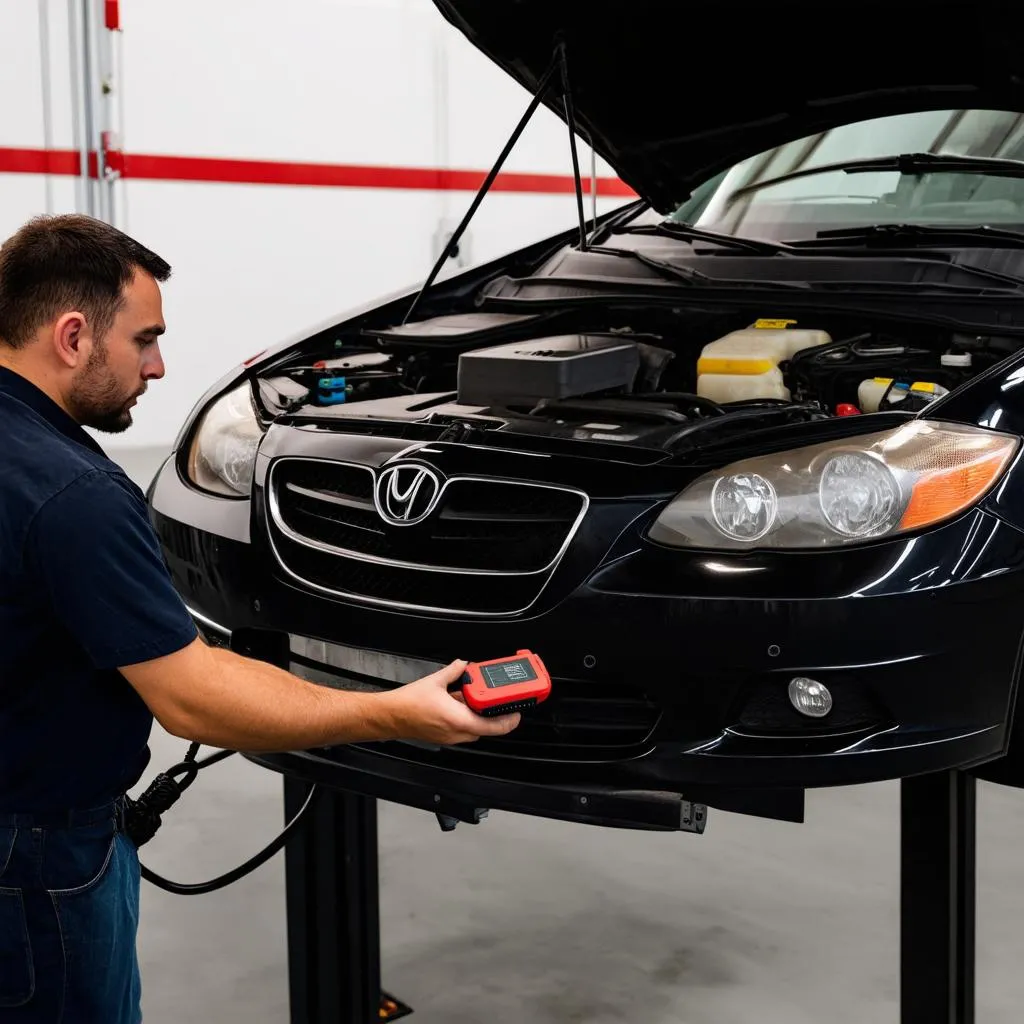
143	819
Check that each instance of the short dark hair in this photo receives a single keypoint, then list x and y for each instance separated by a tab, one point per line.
56	264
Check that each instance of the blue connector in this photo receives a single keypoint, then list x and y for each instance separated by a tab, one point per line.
330	397
332	390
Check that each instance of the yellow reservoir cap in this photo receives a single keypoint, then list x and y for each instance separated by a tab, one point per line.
772	325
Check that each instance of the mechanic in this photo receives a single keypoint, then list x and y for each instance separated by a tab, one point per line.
95	642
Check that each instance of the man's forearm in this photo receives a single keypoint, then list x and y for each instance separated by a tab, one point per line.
245	704
225	700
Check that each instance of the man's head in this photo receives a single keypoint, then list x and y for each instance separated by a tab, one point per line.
80	315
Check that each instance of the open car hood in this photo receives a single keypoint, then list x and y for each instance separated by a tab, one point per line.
672	93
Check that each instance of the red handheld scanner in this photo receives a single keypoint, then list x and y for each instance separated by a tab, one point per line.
504	685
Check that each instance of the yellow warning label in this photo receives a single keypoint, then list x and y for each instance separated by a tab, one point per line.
773	325
746	367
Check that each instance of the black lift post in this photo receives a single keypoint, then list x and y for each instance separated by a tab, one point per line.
937	902
332	891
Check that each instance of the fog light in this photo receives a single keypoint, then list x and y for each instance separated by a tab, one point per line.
810	697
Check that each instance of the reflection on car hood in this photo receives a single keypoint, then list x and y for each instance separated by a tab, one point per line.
672	93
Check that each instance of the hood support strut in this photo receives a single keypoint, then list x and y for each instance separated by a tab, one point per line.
558	63
570	120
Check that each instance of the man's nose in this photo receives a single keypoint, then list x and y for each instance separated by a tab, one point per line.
153	367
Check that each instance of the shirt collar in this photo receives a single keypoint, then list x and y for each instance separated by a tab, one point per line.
28	394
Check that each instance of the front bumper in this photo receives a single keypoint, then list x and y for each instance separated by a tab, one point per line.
450	793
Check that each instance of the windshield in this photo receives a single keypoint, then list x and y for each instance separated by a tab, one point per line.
834	199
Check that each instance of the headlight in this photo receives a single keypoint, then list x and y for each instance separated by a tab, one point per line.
223	452
841	492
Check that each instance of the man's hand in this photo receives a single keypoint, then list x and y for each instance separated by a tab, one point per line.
425	710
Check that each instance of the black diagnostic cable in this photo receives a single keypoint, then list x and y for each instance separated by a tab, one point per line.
142	819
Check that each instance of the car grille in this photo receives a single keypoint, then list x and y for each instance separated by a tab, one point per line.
327	531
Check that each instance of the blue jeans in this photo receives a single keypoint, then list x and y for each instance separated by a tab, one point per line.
69	913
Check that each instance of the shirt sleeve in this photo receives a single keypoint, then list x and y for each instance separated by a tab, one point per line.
99	561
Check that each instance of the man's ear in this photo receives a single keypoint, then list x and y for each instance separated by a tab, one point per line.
72	338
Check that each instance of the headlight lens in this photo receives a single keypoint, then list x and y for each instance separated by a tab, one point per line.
744	505
223	452
840	492
859	495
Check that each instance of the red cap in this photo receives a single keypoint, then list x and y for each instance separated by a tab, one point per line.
847	409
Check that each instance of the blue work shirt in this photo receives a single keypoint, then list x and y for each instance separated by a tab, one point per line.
83	590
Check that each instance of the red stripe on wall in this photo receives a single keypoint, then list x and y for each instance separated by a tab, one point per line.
141	166
41	161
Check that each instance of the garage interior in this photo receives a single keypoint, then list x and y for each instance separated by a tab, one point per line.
517	919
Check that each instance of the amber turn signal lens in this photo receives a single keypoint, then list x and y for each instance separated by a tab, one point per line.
947	491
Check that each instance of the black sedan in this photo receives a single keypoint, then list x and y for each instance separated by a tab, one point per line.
741	461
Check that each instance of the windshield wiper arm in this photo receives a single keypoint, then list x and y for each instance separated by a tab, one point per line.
905	163
911	236
686	233
667	270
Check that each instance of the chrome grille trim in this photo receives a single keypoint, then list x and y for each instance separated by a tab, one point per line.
359	556
202	620
275	520
332	499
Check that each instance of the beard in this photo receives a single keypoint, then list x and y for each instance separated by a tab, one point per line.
97	399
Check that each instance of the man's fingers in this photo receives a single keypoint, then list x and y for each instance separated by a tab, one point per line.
484	727
457	720
472	726
498	726
467	720
451	673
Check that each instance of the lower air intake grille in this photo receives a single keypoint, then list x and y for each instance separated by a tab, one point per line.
580	720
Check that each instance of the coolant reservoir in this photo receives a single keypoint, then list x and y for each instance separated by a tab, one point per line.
745	364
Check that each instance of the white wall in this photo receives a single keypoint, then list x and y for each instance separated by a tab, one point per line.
377	82
22	121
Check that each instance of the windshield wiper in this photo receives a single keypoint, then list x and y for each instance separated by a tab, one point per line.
1010	286
905	163
667	270
912	236
686	233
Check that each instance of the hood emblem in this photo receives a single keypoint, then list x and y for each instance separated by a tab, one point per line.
406	494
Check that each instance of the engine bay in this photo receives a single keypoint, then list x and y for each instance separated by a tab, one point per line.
665	383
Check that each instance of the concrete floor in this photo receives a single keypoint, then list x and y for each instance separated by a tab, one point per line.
523	920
